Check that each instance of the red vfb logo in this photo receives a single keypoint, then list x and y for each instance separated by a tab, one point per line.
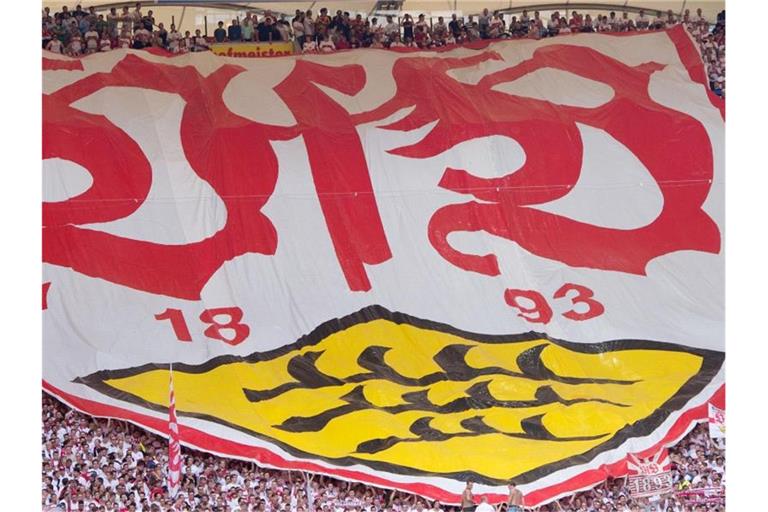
233	154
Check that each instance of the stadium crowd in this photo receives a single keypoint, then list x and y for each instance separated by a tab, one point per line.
80	32
91	464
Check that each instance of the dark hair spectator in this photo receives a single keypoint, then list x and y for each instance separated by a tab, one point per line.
235	32
220	34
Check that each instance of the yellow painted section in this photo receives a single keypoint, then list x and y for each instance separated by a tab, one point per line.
218	393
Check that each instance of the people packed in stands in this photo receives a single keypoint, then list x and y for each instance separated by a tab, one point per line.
108	465
80	32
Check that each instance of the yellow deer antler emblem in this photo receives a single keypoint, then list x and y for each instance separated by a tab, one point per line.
411	396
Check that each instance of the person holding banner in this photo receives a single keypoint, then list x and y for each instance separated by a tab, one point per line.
467	499
515	500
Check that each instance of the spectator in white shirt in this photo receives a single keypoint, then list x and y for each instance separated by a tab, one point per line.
200	43
642	21
391	28
484	506
174	40
309	26
91	41
298	28
310	46
55	46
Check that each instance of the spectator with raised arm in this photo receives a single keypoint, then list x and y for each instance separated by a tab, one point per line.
247	27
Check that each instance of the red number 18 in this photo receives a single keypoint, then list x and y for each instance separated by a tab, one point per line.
215	327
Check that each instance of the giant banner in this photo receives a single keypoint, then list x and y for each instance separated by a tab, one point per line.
493	263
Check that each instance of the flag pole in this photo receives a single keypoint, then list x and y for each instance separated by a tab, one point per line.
174	446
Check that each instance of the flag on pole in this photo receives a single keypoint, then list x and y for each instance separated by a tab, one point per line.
174	448
716	422
310	494
649	477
